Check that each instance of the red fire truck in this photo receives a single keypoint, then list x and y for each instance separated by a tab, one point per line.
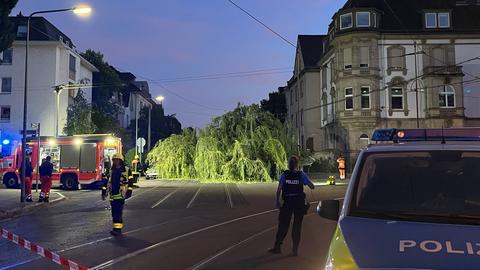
77	160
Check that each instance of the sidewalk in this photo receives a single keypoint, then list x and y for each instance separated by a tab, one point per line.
11	206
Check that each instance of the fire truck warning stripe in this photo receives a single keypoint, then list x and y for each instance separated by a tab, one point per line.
52	256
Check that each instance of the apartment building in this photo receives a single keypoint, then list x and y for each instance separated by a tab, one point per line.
388	64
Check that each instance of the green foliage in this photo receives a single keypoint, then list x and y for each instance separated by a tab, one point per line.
174	157
7	35
247	144
79	117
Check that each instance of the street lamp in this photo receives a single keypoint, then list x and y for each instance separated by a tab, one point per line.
81	10
160	99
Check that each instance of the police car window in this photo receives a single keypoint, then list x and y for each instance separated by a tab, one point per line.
436	183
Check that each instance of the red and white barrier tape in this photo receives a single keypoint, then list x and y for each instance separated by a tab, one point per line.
52	256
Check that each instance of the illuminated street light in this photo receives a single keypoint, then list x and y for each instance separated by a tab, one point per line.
81	10
160	99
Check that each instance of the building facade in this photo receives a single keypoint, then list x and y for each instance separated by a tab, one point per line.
53	61
390	64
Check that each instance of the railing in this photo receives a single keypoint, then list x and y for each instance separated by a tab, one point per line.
443	70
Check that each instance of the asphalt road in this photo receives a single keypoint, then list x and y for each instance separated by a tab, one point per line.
171	225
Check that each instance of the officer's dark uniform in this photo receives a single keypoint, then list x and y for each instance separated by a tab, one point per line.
293	203
119	187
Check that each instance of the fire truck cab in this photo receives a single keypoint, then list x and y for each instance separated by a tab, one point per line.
77	160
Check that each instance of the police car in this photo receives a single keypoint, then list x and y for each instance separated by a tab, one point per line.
413	202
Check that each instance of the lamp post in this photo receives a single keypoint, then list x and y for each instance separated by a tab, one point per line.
159	99
58	90
81	10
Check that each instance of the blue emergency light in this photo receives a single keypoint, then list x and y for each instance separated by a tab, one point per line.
6	142
426	134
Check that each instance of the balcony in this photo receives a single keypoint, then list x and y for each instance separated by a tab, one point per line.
443	71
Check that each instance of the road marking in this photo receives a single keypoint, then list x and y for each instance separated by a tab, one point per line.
190	204
146	249
94	242
210	259
229	196
164	198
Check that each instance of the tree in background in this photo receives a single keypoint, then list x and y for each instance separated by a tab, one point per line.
7	35
79	119
247	144
104	109
162	126
276	104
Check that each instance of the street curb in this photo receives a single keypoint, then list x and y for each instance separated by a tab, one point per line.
25	208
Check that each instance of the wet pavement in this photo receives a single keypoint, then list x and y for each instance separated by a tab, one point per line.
170	225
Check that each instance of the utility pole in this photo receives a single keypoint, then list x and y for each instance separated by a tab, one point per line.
136	125
149	140
416	83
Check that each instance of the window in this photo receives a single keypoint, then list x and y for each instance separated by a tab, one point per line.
325	107
301	117
5	113
302	86
444	20
363	19
22	31
347	58
430	20
346	21
447	97
397	98
6	57
364	57
72	66
365	98
348	98
396	58
6	85
437	20
324	77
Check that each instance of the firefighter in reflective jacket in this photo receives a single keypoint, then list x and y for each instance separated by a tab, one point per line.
136	172
341	167
119	187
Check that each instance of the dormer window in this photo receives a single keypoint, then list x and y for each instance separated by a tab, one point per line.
363	19
437	20
346	21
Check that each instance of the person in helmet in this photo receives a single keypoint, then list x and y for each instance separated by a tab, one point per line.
136	170
290	187
119	187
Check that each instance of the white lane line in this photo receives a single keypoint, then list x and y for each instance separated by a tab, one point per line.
210	259
190	204
94	242
223	252
229	196
151	247
164	198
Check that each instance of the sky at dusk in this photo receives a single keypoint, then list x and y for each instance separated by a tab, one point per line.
164	40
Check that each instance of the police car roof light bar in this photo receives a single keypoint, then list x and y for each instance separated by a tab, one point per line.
428	134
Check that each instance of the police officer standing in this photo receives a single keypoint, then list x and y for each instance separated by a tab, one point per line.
119	187
290	187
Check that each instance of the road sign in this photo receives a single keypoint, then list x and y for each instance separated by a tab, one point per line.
141	144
